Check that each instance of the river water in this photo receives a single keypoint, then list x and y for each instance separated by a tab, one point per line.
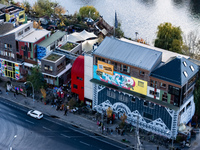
143	16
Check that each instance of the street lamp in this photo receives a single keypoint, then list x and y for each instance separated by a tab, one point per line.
10	145
32	88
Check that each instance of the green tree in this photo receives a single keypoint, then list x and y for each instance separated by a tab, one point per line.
169	37
44	8
27	6
36	78
118	31
88	11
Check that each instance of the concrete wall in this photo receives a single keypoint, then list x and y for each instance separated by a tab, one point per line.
88	75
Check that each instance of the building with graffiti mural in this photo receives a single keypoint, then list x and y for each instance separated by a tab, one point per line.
140	80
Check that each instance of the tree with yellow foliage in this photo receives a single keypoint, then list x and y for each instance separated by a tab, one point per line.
109	112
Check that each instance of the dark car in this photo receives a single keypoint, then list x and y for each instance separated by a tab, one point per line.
52	27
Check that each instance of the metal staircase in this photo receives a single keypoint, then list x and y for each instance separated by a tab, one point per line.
174	124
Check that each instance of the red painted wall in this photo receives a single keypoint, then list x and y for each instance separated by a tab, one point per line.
77	77
21	43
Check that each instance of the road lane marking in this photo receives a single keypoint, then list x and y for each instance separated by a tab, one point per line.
30	121
96	137
85	143
13	115
65	136
46	128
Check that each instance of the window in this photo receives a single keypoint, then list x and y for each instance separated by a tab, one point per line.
109	62
111	94
185	73
151	105
125	68
147	116
79	78
153	83
164	97
156	94
27	29
145	103
51	68
140	83
46	67
52	47
192	68
123	98
115	65
5	46
163	85
75	86
20	33
185	64
188	105
182	111
142	73
133	99
21	16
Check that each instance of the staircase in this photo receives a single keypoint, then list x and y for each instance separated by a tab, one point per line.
174	124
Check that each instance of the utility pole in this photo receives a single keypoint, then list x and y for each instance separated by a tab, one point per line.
138	146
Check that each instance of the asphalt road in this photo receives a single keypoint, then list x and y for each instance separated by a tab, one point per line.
45	134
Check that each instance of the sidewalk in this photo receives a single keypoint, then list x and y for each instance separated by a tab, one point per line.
84	122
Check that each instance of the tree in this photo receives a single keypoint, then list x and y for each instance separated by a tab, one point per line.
89	11
26	6
44	8
118	31
169	37
36	78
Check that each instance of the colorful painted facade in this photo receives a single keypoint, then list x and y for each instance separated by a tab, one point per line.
132	79
9	69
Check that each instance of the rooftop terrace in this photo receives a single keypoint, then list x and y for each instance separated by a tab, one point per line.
53	57
68	46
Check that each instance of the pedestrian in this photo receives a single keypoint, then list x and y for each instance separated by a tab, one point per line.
6	92
15	96
65	112
157	147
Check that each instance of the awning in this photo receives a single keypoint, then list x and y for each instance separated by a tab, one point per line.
65	70
28	64
49	75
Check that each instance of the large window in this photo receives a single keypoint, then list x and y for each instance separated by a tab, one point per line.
123	98
173	90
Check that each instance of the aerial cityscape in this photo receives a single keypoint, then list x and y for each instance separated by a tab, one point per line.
99	75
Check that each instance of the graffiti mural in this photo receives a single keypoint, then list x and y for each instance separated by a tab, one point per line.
17	74
121	80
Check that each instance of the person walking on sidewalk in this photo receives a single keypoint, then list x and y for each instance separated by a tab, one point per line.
15	96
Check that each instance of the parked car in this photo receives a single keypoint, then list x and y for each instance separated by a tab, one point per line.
35	114
52	27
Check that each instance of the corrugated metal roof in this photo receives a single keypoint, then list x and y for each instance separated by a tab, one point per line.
128	53
52	39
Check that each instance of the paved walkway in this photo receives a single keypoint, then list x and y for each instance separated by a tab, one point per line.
81	121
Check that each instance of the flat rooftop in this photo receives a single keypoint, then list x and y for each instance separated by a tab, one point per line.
53	57
35	36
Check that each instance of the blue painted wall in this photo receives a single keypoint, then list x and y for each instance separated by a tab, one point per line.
157	111
41	52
